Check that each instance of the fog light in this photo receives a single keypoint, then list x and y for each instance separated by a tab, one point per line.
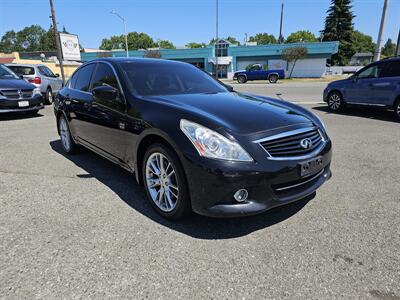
241	195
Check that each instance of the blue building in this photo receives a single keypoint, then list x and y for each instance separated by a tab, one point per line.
232	58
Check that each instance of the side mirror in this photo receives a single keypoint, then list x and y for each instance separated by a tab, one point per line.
57	75
354	78
20	76
229	87
105	93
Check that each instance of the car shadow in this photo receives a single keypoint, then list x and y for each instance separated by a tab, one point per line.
363	112
124	184
18	116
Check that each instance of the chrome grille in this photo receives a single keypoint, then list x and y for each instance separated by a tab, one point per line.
289	144
16	94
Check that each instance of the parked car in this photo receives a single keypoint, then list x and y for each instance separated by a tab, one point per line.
17	95
256	72
42	77
193	142
376	85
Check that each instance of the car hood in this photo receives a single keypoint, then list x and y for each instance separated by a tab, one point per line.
339	82
239	113
15	84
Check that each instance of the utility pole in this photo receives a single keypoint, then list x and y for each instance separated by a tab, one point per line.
280	39
377	55
216	42
58	43
398	45
126	34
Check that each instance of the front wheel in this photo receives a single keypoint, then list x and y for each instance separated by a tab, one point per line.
67	142
397	109
241	79
165	182
273	78
335	102
49	96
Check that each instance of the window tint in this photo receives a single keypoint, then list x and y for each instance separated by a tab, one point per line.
49	72
371	72
83	78
104	76
23	70
392	70
169	79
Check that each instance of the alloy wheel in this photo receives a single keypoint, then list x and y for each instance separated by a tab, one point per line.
49	97
64	134
161	182
335	102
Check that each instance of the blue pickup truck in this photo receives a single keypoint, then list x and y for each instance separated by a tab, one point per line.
256	72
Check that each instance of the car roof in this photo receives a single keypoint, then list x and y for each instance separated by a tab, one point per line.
118	60
24	65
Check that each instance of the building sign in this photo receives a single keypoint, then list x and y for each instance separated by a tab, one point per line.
70	46
222	60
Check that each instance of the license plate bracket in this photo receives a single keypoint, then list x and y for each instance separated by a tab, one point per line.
311	166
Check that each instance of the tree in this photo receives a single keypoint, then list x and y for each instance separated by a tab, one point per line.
361	42
263	39
293	54
165	44
389	49
339	27
301	36
195	45
152	54
8	41
136	40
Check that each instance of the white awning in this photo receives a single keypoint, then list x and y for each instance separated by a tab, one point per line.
223	60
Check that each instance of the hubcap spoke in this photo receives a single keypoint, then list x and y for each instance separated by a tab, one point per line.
161	181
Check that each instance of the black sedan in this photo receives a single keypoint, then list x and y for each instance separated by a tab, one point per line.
17	95
193	142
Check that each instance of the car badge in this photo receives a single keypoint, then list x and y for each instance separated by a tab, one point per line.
306	143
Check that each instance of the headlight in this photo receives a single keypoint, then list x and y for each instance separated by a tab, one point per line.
36	91
211	144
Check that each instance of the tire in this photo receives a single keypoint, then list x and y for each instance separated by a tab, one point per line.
397	109
241	79
168	194
67	142
335	102
49	96
273	78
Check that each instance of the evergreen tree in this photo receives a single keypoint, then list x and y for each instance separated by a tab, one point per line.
339	27
389	49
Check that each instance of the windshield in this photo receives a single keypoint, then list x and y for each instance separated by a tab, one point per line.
169	79
6	73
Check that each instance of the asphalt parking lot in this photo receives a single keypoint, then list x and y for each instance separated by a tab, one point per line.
80	227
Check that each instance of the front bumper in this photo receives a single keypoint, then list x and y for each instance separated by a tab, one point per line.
212	184
11	106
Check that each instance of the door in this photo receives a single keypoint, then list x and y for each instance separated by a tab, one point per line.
50	78
107	116
255	73
79	99
386	87
361	89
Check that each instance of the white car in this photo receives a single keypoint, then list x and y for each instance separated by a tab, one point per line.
41	76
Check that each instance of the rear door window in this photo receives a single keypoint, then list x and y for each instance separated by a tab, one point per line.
82	81
392	69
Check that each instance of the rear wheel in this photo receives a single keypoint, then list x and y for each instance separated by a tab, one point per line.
67	142
335	101
49	96
165	182
273	78
397	109
241	79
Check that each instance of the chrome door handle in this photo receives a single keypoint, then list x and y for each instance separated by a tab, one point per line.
381	84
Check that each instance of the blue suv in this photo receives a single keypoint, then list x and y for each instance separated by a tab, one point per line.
377	84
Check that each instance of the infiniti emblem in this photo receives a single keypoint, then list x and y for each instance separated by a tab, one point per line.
306	143
20	94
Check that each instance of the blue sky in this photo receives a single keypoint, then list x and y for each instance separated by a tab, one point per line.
182	21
